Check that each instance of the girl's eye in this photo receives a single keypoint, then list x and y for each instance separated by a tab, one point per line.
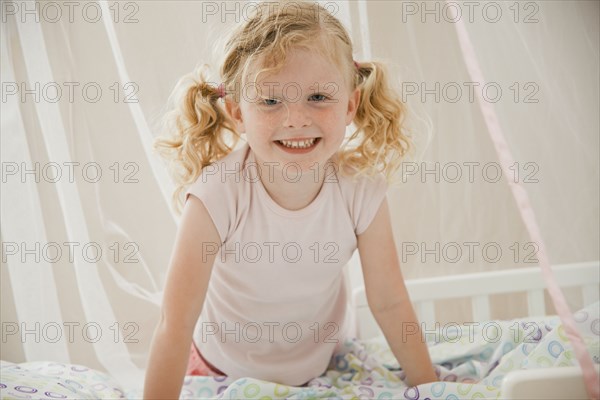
321	97
269	102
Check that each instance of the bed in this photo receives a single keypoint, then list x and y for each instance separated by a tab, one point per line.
535	383
531	358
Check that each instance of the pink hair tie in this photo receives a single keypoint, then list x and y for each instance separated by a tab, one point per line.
221	90
356	65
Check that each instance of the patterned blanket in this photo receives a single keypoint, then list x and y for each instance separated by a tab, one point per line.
471	361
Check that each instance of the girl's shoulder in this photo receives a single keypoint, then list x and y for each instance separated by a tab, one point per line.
350	179
220	188
227	170
362	195
221	181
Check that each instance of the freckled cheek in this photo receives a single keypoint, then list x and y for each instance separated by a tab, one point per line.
260	120
265	118
261	126
331	119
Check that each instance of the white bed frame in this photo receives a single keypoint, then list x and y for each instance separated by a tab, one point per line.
555	383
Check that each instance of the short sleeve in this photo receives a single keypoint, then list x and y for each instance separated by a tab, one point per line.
218	198
368	196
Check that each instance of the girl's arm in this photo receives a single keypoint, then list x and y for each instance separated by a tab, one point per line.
187	281
389	301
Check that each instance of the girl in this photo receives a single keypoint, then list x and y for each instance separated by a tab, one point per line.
272	224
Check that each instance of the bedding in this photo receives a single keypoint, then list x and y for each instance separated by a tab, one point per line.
470	359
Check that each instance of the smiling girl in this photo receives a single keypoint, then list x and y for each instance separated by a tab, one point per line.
255	285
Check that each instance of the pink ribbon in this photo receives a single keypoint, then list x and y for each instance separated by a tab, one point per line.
591	380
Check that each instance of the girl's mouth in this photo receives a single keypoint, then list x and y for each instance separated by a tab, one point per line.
298	146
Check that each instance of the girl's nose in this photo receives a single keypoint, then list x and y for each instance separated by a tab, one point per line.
297	116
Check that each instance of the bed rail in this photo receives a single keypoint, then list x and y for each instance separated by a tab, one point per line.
478	287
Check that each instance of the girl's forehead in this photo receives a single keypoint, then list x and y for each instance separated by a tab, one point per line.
301	79
298	86
296	61
303	75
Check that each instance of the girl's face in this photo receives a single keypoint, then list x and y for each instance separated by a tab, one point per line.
307	99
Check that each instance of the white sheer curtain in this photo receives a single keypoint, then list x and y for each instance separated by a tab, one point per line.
100	311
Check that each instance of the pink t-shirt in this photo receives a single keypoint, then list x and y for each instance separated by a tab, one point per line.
276	306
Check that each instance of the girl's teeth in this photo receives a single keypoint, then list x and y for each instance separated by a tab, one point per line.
296	144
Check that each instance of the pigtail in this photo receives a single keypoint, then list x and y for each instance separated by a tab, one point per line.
196	126
379	117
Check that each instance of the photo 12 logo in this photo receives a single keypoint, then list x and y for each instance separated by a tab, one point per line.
54	92
69	171
469	172
271	171
54	252
52	332
237	11
253	332
69	11
470	11
474	332
469	252
469	92
272	252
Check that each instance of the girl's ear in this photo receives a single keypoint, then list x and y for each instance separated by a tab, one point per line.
353	102
235	112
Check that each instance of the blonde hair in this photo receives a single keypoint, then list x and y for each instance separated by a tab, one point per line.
198	125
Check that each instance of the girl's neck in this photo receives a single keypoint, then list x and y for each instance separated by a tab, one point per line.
291	190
